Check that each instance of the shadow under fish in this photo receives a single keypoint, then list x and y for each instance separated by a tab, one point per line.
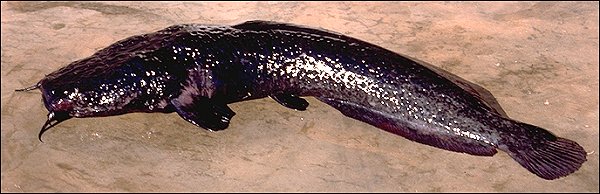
196	70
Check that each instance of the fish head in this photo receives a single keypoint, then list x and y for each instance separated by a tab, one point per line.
132	75
95	87
128	76
88	88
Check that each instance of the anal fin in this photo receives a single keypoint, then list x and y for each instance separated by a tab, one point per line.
290	101
396	125
203	112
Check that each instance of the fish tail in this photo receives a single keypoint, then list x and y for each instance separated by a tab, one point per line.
542	153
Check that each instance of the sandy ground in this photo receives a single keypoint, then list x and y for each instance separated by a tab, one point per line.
540	60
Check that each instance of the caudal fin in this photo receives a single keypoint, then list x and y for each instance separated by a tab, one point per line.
546	155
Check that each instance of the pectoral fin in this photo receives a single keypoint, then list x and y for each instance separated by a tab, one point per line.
290	101
203	112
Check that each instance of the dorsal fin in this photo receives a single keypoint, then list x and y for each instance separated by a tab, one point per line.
260	25
479	92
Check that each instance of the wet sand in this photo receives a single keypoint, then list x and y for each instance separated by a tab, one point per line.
540	60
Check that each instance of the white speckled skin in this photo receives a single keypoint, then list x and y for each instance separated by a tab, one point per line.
169	69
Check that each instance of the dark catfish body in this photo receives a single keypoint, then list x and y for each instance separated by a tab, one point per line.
196	70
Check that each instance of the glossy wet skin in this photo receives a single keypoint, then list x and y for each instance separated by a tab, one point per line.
116	80
333	152
197	70
133	76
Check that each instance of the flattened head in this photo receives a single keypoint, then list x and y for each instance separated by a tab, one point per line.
53	117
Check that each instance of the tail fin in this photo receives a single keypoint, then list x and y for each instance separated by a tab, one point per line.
544	154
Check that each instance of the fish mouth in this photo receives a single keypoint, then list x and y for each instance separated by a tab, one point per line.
54	118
